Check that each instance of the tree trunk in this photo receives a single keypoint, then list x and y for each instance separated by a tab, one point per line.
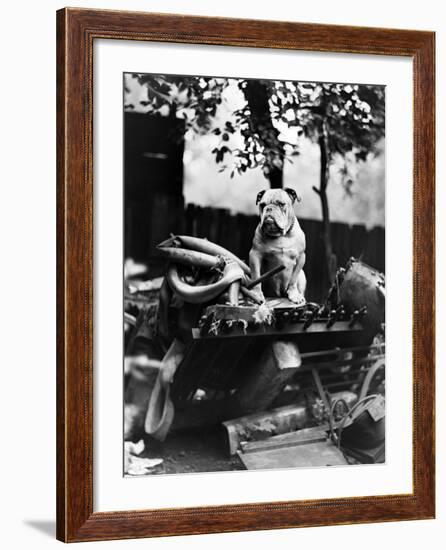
330	257
257	96
275	177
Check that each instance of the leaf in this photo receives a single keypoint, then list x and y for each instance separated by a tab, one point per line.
220	153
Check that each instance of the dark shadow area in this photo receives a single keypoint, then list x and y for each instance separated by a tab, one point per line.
45	526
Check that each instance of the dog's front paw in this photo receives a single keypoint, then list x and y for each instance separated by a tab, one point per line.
257	290
295	296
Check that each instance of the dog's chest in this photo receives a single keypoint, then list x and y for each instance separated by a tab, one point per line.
282	252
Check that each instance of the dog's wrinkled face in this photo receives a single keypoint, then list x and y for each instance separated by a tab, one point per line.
276	211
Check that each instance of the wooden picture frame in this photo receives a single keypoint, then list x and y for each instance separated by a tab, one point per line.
76	31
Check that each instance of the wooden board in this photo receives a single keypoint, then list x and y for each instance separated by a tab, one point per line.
311	455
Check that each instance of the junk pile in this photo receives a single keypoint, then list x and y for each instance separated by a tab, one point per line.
292	385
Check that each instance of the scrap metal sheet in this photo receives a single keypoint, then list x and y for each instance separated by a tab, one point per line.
300	456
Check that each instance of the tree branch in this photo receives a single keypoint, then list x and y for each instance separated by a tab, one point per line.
159	94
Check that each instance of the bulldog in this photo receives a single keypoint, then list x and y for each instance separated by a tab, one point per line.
279	240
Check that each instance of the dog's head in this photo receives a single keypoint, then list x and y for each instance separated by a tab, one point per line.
276	210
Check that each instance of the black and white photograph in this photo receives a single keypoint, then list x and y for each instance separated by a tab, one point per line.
254	274
223	253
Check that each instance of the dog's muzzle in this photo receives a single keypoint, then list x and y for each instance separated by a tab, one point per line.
274	221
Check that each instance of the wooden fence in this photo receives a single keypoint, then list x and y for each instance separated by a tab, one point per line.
235	232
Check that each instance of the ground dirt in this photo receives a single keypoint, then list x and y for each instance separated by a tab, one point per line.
192	452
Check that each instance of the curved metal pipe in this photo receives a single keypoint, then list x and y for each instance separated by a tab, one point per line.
204	246
191	258
202	293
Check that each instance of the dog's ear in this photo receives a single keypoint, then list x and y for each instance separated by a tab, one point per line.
293	195
259	196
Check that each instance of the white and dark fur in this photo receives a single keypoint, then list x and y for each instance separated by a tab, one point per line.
279	239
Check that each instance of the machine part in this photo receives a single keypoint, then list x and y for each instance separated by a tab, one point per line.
341	403
358	286
259	330
204	246
333	294
363	427
297	314
225	352
357	315
290	439
263	425
378	366
265	276
378	349
344	361
313	315
281	317
190	258
202	293
324	397
335	315
233	291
